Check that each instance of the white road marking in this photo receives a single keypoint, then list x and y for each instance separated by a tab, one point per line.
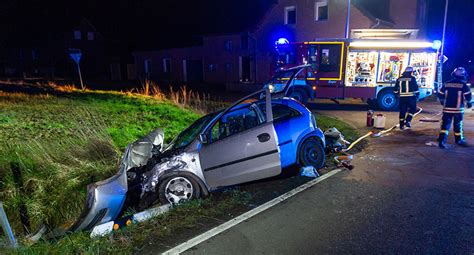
227	225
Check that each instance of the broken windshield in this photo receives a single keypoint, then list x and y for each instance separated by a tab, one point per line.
190	133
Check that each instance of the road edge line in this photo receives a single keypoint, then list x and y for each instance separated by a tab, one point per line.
245	216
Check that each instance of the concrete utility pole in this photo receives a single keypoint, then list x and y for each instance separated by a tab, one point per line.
348	18
441	56
444	26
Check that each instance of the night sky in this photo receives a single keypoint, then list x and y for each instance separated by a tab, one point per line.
153	24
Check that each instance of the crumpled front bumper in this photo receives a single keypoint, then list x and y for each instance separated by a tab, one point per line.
104	202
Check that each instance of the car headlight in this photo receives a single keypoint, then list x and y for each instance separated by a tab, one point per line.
277	88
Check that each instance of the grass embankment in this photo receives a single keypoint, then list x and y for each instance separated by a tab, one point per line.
62	143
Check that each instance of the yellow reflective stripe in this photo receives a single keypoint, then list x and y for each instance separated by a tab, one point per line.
457	134
467	93
443	131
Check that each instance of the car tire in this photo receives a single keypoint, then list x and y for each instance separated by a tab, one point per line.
299	95
178	188
311	153
387	101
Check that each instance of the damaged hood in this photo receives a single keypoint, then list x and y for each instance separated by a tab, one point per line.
106	198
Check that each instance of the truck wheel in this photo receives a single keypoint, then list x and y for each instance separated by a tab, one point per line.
312	153
300	95
387	101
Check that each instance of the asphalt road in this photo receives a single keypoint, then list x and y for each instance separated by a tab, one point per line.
403	197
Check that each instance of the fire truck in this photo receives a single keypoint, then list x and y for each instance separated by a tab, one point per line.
345	68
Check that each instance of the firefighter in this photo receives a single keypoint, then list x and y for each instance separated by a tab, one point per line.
453	95
406	89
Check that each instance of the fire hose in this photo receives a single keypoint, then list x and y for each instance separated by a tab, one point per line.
344	160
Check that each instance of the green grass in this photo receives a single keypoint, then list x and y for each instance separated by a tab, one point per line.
61	144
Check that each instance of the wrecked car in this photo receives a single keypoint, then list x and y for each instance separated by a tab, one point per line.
246	142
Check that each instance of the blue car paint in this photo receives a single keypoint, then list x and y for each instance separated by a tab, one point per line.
292	132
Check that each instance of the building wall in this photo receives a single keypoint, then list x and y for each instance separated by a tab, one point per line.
404	13
261	41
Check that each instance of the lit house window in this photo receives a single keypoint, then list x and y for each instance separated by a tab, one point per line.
290	15
321	10
77	35
166	65
90	36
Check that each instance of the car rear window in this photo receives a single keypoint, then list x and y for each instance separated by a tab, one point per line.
280	111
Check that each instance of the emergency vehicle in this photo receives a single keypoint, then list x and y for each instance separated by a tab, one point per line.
347	68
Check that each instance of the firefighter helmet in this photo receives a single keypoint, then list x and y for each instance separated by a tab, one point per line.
409	69
459	72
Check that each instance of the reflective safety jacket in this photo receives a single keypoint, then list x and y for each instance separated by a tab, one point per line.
454	93
406	86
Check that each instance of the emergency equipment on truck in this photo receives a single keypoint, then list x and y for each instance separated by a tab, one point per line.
365	69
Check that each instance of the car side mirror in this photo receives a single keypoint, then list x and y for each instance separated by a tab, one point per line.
203	138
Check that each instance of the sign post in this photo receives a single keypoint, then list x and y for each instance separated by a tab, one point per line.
5	225
76	55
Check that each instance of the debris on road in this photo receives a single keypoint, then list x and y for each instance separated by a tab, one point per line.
309	171
344	161
335	141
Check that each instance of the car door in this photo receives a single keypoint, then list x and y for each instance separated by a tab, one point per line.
241	146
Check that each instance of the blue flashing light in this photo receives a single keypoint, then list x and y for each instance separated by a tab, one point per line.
436	44
282	41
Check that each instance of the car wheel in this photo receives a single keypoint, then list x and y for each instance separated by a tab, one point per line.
387	101
312	154
178	188
300	95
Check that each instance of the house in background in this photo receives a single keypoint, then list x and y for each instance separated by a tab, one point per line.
40	50
241	60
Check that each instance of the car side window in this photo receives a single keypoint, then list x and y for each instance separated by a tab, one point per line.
235	122
280	112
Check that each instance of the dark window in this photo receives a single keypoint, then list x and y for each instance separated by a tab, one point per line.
211	67
166	65
235	122
322	11
147	65
77	35
244	42
228	45
228	67
34	54
280	112
290	15
21	55
90	36
330	58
